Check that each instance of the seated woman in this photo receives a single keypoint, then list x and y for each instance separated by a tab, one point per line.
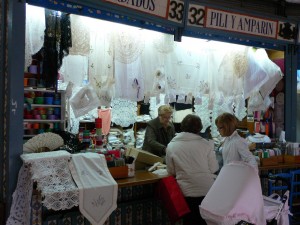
192	160
159	132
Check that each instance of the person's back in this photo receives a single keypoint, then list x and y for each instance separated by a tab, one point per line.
192	160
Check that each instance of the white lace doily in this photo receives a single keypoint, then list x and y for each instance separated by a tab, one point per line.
51	172
201	109
21	203
124	112
127	44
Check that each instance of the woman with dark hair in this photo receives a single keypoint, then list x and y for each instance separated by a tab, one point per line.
192	160
234	147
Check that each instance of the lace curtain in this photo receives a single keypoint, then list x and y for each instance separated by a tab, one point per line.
35	28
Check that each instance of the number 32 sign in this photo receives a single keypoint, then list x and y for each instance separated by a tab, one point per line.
196	15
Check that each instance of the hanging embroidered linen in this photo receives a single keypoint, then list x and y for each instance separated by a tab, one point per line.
74	69
84	101
80	31
105	114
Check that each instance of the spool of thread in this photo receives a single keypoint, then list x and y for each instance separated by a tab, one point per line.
33	69
98	123
25	82
56	111
32	82
48	100
51	117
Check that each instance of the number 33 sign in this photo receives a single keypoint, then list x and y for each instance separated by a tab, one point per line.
176	11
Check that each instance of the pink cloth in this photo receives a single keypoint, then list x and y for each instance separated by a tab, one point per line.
235	195
105	115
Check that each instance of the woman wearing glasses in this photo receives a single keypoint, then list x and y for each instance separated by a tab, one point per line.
159	132
234	148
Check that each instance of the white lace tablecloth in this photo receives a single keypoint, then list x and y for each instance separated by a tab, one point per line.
51	172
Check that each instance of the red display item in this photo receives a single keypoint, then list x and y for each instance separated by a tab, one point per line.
171	196
98	123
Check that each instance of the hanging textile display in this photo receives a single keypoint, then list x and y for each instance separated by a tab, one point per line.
129	78
35	28
117	61
57	41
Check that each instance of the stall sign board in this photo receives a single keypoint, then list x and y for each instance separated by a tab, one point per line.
202	16
172	10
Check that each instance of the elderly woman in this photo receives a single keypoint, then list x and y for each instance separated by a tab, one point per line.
234	147
192	160
159	132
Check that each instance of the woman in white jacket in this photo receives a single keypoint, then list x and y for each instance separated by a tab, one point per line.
192	160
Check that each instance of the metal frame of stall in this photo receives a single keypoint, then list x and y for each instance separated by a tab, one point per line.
178	17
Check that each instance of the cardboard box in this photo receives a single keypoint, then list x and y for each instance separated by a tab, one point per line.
143	158
119	172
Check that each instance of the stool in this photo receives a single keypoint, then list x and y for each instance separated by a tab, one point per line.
273	185
295	192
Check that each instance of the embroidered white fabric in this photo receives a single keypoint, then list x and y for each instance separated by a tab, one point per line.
129	80
51	172
21	202
124	112
74	69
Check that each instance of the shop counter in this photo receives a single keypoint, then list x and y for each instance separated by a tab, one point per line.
280	166
141	177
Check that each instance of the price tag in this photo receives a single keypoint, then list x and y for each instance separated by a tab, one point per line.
196	15
176	11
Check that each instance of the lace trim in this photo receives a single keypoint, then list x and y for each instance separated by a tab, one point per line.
21	203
